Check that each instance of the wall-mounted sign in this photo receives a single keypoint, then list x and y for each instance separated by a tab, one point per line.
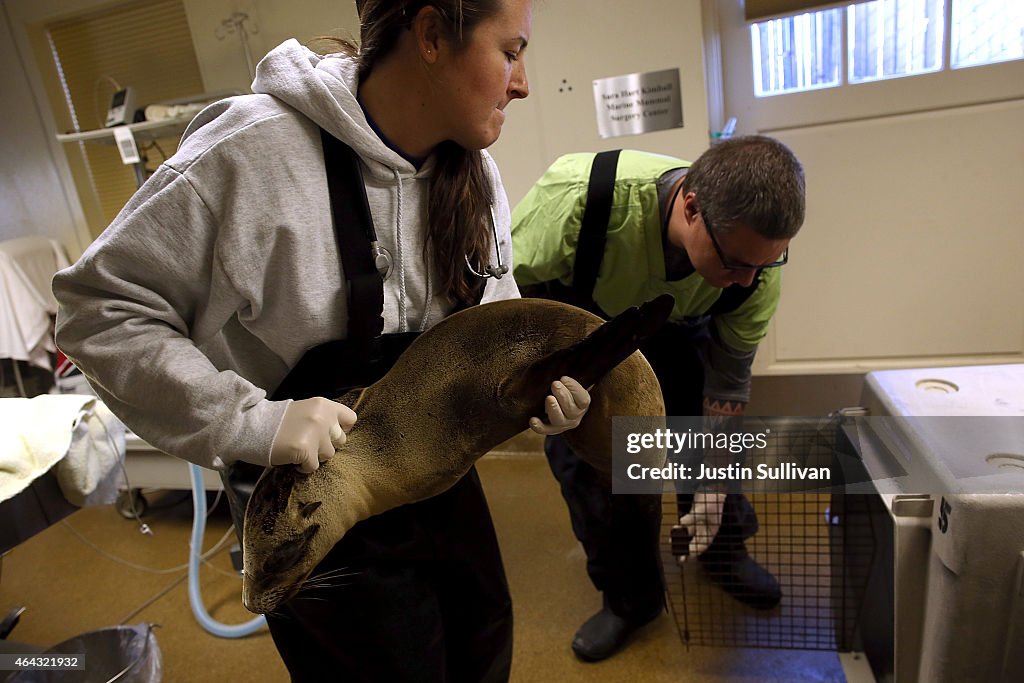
638	103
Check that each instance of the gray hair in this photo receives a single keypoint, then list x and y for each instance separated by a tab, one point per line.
750	180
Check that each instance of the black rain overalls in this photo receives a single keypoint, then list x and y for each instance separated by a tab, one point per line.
421	593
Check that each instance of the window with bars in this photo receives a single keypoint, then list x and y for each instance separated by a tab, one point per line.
797	53
884	39
985	32
889	38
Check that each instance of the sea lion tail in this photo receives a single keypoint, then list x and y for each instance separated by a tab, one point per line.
595	355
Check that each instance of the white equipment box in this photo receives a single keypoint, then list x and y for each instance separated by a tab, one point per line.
947	465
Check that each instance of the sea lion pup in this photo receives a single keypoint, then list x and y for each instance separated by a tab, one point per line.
462	388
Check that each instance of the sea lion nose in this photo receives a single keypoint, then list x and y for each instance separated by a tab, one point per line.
249	601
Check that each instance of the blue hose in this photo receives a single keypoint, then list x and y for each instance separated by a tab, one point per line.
195	551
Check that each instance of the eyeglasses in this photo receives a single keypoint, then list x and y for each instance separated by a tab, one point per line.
730	265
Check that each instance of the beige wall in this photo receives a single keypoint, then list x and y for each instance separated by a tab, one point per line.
566	54
37	193
910	253
573	43
222	59
33	197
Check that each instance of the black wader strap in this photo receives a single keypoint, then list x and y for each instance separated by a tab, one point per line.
332	368
351	214
591	243
318	372
594	226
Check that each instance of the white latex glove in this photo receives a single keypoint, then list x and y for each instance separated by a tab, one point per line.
311	431
565	407
703	521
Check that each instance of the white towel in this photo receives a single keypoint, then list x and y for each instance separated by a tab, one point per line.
27	265
91	473
37	433
34	434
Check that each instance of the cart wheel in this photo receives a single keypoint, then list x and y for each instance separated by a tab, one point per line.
131	504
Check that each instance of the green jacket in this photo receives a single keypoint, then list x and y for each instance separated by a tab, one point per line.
546	227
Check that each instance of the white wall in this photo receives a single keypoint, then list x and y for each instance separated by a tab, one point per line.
33	198
575	42
222	59
910	254
566	54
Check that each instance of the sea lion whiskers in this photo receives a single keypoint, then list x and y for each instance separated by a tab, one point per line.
289	506
328	579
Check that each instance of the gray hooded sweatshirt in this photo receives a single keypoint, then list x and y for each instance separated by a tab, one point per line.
223	269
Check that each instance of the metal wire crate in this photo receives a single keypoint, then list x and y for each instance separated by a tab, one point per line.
801	541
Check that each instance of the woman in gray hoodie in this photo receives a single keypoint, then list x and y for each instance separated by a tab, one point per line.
223	270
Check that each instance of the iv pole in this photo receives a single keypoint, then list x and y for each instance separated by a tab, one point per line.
236	23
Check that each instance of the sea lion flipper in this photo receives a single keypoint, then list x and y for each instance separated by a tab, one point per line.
594	356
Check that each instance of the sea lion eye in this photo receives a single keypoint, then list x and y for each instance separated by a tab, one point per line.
306	509
288	554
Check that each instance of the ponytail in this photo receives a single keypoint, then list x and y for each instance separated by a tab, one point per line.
459	205
458	219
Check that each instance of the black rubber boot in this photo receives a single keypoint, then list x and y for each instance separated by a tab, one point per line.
739	575
605	633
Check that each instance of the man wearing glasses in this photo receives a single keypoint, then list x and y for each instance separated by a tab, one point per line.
610	231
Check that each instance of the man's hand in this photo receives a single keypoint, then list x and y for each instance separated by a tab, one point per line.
565	407
702	521
310	432
705	516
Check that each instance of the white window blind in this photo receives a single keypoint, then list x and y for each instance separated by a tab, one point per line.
145	45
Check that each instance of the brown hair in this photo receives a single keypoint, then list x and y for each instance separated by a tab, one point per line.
751	180
459	203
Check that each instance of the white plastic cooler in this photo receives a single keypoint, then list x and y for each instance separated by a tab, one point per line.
955	580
